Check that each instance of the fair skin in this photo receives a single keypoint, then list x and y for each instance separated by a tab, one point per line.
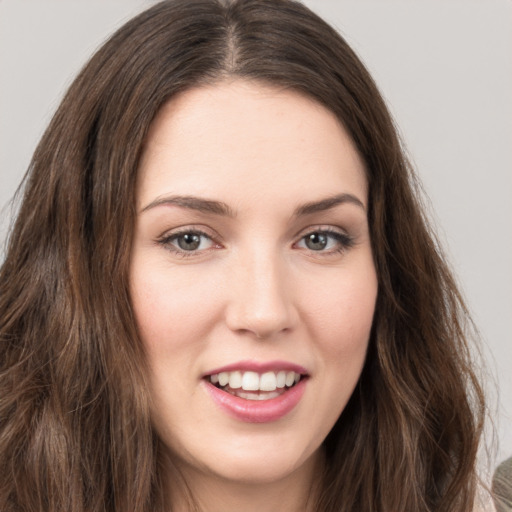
251	255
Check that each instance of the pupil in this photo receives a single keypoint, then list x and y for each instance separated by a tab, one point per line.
316	241
189	241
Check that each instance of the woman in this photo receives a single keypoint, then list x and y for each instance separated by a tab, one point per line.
221	293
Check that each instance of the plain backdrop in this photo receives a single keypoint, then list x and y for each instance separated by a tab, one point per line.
445	69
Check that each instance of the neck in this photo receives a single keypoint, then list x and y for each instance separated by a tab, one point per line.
193	491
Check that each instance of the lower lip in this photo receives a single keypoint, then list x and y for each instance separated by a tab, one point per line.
257	411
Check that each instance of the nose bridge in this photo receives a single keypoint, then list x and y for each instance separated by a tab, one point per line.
261	299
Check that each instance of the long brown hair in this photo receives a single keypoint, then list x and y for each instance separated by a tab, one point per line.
75	428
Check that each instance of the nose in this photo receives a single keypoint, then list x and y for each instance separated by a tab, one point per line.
261	297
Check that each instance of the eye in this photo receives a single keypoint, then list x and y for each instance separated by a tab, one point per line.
325	241
190	242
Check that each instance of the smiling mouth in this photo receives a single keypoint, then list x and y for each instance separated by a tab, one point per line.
252	385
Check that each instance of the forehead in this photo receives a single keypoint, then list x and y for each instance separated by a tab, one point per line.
233	137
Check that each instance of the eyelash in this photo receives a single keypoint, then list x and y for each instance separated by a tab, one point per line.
167	240
344	241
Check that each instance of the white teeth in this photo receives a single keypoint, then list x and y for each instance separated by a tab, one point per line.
281	379
253	396
252	381
235	380
223	378
268	382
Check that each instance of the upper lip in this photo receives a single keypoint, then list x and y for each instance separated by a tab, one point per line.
258	367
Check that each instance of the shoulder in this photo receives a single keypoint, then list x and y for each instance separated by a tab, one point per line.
502	486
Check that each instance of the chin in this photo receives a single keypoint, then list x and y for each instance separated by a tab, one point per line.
252	462
259	470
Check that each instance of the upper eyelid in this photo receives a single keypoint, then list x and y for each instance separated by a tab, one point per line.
217	239
202	230
321	228
213	234
339	236
167	241
168	238
178	234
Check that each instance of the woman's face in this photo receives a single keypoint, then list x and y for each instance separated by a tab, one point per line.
251	269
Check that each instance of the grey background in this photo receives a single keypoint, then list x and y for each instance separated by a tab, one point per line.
445	69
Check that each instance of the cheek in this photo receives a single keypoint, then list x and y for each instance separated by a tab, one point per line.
173	325
174	311
340	320
342	313
339	317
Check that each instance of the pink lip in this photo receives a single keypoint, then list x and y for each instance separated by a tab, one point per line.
259	367
255	411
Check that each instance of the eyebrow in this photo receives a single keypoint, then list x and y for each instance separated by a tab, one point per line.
327	204
193	203
221	208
